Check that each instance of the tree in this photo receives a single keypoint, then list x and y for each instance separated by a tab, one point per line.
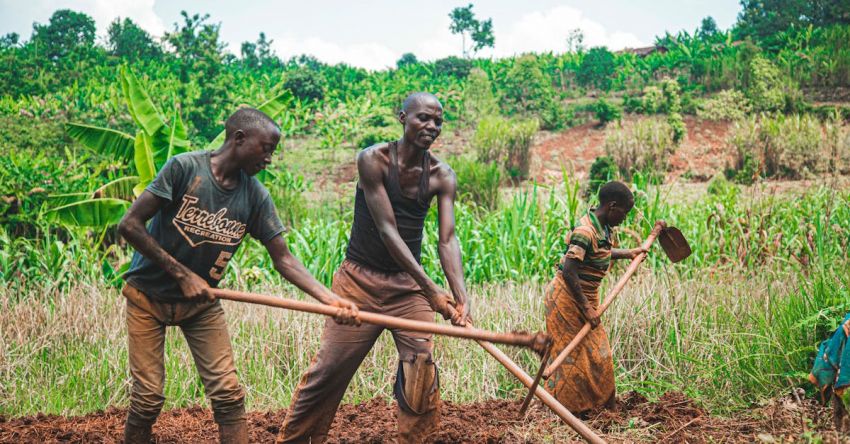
761	20
305	83
68	32
480	33
127	40
200	53
9	40
575	41
707	29
406	59
597	68
259	54
196	44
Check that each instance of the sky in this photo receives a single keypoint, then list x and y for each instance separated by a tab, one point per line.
374	34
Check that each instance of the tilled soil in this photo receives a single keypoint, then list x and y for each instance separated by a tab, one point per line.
673	418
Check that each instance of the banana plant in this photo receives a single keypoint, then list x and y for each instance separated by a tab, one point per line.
157	139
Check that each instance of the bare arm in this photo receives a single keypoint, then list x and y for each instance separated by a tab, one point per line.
630	253
570	275
132	228
378	201
294	271
449	248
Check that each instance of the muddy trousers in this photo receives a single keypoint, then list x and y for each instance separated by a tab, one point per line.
205	330
343	348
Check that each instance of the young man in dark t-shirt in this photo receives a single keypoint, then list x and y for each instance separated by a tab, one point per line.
382	273
200	207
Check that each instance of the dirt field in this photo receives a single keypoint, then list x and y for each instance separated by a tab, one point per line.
674	418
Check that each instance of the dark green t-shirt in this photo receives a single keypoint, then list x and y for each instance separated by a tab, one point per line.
202	224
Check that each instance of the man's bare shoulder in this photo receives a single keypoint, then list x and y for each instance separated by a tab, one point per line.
442	171
379	152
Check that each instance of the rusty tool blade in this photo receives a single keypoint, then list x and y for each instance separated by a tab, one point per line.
675	245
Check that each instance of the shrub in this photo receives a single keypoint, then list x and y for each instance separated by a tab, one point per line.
677	126
765	88
528	91
670	92
606	111
597	68
477	182
726	105
632	104
797	146
506	141
643	146
379	134
478	98
603	170
653	99
453	66
721	187
306	84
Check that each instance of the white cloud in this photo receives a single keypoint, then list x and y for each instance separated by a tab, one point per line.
371	55
537	31
140	11
548	31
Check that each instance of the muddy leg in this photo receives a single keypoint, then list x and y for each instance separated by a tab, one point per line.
839	414
208	339
146	348
417	381
320	391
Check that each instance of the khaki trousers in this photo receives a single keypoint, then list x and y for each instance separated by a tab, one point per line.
205	330
344	347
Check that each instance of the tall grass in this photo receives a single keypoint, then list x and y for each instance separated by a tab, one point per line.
796	146
733	324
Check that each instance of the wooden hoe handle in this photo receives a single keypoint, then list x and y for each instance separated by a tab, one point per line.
535	341
611	296
547	399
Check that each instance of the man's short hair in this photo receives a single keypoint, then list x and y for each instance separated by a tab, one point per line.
616	191
417	97
248	120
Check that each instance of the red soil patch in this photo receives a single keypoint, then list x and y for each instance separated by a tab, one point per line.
673	418
704	152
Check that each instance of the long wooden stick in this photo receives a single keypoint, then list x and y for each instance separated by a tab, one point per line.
547	399
532	341
611	296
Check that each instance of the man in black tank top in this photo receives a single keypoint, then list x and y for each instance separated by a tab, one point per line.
382	273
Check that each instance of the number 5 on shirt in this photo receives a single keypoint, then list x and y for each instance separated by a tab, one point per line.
220	264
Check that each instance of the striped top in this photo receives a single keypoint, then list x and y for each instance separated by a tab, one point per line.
590	243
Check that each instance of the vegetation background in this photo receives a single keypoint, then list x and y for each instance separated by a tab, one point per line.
84	126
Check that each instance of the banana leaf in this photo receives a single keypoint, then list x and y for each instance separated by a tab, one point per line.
97	213
145	167
57	200
102	140
121	188
139	104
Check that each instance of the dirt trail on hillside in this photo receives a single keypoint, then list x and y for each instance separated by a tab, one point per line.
673	418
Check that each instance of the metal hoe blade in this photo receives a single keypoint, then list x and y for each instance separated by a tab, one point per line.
674	244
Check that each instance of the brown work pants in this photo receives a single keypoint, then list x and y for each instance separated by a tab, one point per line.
205	330
343	348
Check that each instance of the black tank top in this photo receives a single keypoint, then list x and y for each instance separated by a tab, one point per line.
365	246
